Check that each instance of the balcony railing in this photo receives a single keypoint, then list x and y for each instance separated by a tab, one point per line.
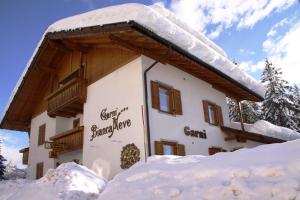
68	100
25	153
67	141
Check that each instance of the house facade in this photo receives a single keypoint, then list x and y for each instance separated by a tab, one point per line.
111	93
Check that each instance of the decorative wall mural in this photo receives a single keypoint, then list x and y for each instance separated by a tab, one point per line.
130	155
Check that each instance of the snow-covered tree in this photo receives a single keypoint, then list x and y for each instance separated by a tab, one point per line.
295	92
2	167
13	172
250	111
277	105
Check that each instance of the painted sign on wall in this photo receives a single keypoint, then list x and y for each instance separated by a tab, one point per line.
194	133
115	123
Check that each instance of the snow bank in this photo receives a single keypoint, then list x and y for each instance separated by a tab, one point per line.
265	172
69	182
266	128
10	187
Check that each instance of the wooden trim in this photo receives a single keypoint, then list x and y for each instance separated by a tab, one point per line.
240	114
214	150
155	95
66	133
24	150
250	136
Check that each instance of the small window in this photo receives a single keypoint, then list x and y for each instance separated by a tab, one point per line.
169	148
214	150
166	99
76	123
42	133
39	170
212	113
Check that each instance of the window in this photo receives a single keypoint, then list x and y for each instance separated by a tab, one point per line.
165	98
169	148
42	133
39	170
212	113
214	150
76	123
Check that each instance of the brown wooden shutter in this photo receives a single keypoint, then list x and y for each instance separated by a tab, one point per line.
220	116
42	133
180	150
177	102
158	148
39	170
155	94
216	118
205	110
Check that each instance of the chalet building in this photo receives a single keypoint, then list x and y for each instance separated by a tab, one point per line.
116	85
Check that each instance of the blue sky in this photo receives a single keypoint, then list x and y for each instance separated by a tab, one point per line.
248	30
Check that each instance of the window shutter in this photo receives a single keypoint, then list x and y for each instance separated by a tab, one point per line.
216	117
220	116
177	102
180	150
39	170
158	148
155	94
205	110
42	133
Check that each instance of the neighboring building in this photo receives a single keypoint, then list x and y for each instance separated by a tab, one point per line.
110	87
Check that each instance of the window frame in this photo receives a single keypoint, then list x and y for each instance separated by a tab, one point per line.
170	98
76	122
215	115
174	145
174	98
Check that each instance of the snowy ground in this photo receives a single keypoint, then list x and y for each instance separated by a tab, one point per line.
265	172
262	173
68	182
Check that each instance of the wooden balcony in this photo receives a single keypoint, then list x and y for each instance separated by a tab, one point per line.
68	100
67	141
25	153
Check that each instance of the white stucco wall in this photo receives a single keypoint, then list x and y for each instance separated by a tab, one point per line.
121	89
39	153
193	90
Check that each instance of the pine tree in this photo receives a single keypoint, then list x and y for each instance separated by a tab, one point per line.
295	92
250	111
2	167
278	103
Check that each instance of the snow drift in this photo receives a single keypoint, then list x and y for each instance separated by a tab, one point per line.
264	172
69	182
266	128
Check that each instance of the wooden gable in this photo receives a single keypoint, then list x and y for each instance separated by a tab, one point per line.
103	49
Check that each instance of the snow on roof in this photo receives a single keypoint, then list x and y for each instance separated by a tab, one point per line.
163	23
266	128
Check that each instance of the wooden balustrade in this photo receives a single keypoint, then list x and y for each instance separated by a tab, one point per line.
70	140
25	153
68	100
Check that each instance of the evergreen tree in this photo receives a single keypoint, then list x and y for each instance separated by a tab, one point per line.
2	167
250	111
295	92
278	103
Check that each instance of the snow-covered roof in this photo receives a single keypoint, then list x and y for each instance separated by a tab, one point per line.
266	128
164	24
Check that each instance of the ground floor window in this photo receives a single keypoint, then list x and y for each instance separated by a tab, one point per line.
214	150
169	148
39	170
